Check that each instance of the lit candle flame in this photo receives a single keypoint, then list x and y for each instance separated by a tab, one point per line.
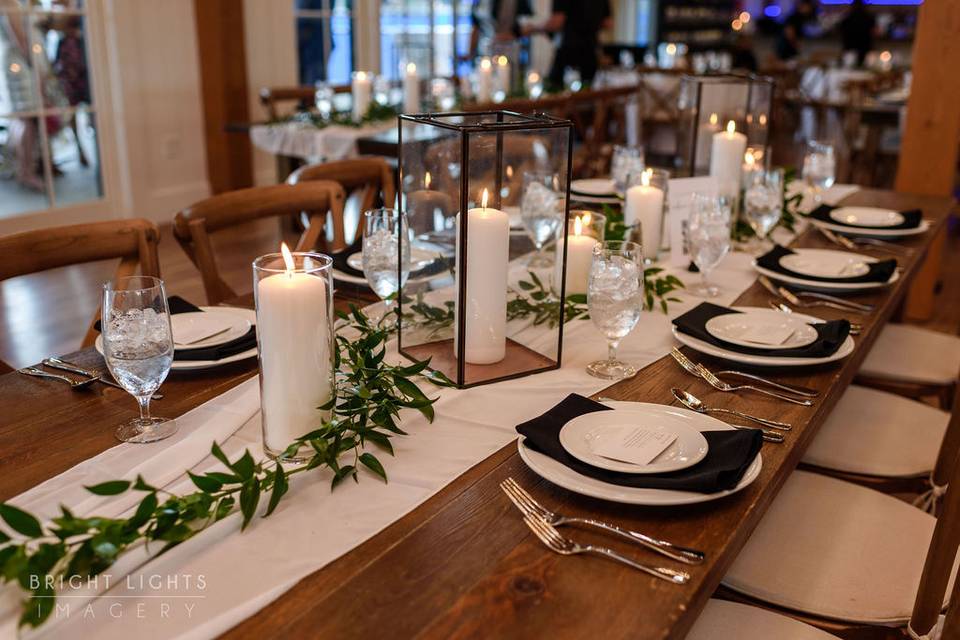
645	177
411	68
714	118
361	75
731	127
485	63
287	258
577	226
586	218
426	180
533	77
671	49
483	199
502	61
509	171
749	158
763	119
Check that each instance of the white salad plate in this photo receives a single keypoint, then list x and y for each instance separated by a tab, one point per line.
744	329
826	262
580	435
866	216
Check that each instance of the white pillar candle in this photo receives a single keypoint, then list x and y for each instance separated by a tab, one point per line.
428	208
705	139
484	80
503	75
643	205
726	158
485	307
361	88
579	258
295	362
411	89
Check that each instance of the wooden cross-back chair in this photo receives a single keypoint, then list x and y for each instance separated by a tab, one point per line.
193	225
271	98
133	241
371	178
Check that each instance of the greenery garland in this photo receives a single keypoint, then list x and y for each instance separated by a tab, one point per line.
377	112
365	409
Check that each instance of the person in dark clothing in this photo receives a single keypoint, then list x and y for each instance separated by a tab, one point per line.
743	57
788	43
578	23
499	21
857	30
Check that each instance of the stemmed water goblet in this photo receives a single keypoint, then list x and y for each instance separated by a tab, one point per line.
626	160
819	168
615	299
138	349
763	202
383	267
541	211
708	234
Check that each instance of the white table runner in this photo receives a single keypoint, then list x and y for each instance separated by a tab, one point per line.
243	572
335	142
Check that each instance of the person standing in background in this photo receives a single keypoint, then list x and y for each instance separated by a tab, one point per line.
495	20
788	43
857	31
578	24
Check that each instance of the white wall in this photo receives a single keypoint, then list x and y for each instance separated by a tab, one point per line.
152	62
270	40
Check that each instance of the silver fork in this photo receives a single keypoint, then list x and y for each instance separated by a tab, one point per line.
63	365
855	327
529	506
853	243
720	385
786	294
691	366
74	384
856	306
564	546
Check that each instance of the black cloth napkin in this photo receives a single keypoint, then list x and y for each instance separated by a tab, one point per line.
830	335
340	264
879	271
729	455
911	219
216	352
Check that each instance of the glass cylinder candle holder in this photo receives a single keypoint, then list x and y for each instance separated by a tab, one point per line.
585	230
295	343
644	209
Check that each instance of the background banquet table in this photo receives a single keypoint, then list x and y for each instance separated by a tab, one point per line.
463	563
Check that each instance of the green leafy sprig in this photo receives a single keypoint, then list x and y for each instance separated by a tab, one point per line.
375	113
365	411
742	231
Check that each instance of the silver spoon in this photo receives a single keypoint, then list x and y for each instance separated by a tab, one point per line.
692	402
63	365
74	384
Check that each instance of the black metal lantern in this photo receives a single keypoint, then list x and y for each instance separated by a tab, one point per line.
465	180
717	108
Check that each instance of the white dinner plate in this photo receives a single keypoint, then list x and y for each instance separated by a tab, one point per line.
690	447
220	326
764	361
826	263
866	216
563	476
865	232
737	328
599	187
811	256
191	365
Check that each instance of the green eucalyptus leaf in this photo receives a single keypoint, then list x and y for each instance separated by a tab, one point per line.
109	488
280	487
206	484
20	521
249	499
370	462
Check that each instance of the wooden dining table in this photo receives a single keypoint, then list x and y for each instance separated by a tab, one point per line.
463	563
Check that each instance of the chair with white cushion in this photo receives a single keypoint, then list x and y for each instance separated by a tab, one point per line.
885	441
847	558
725	620
914	362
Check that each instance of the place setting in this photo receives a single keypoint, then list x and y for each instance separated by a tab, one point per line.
827	270
869	222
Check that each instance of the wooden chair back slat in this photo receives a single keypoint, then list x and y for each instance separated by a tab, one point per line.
370	178
272	97
134	241
194	225
942	551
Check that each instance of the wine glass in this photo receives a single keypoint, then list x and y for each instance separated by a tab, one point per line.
763	202
819	168
541	212
626	160
615	300
708	233
138	349
383	267
323	98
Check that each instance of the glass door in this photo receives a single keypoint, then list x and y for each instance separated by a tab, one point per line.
49	150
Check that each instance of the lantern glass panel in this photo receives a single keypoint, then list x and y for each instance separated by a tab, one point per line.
471	303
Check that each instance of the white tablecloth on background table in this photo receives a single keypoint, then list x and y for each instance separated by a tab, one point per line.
301	140
243	572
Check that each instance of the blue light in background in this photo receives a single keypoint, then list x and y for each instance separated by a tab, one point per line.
892	3
771	10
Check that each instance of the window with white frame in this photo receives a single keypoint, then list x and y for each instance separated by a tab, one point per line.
324	40
434	34
49	153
